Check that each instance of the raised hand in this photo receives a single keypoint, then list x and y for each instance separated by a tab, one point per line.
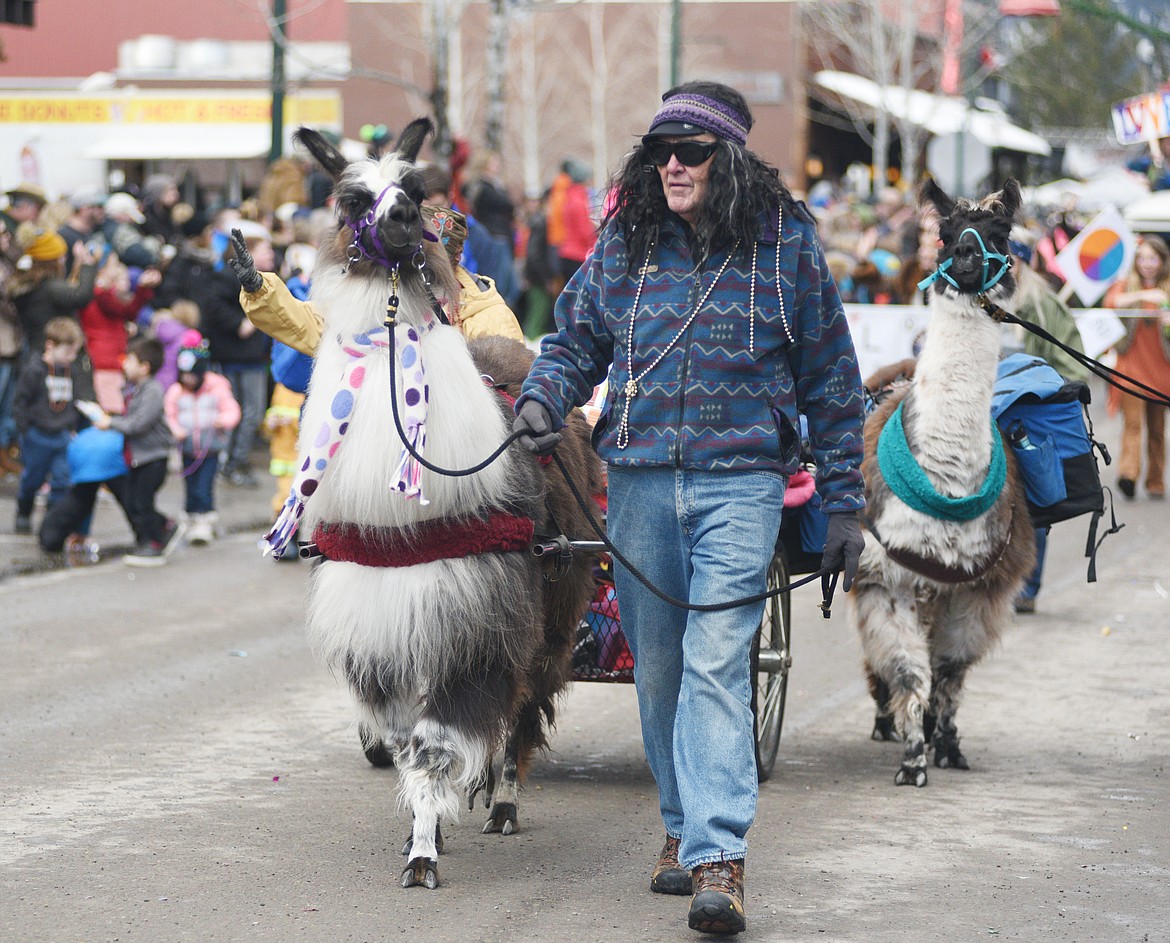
243	265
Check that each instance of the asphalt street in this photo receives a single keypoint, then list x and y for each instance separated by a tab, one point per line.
175	766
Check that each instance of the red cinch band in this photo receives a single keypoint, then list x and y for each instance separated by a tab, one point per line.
443	539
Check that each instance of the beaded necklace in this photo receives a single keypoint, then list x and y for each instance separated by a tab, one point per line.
631	388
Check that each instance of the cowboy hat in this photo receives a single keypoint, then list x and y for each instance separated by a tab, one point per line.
27	191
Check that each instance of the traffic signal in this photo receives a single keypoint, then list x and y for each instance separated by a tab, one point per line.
17	12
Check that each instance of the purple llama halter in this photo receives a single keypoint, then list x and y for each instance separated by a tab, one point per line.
367	224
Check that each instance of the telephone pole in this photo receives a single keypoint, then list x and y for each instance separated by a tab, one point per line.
279	36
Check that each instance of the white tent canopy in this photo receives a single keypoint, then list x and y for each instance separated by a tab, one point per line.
1113	185
181	142
938	114
1150	214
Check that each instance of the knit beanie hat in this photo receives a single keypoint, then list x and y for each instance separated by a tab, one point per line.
46	246
194	354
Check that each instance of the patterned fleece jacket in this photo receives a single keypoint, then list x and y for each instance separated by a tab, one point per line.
729	392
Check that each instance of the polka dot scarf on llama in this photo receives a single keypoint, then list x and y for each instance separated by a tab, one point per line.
407	477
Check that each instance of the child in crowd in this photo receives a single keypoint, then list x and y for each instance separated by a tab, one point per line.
170	325
201	412
148	443
95	459
46	418
105	321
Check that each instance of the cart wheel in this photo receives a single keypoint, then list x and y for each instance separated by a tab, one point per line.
771	660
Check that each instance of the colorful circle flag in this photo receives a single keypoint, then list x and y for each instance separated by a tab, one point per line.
1097	256
1102	255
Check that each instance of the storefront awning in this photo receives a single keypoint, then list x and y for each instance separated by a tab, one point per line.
181	142
938	114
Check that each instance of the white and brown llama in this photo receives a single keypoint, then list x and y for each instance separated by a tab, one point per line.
428	600
949	540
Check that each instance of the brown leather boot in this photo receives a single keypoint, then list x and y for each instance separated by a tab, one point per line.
668	876
717	906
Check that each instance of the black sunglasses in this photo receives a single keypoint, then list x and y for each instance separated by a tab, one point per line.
689	153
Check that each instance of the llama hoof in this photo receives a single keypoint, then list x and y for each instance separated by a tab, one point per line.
503	819
883	729
911	776
375	749
952	759
421	872
379	755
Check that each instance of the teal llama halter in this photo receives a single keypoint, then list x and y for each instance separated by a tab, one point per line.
989	282
909	482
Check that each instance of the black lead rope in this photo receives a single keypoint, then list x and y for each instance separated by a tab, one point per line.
828	579
390	322
1108	374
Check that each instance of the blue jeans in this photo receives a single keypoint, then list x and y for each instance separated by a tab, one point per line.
45	458
705	537
8	433
250	388
1032	585
199	478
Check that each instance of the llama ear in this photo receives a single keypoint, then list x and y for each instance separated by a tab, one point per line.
930	192
329	157
1007	201
410	142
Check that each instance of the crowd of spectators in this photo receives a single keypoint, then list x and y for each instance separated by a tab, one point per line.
143	262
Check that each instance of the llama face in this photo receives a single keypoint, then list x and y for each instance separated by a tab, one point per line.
378	224
377	204
973	257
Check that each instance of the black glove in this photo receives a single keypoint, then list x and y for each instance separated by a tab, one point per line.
533	420
243	265
843	546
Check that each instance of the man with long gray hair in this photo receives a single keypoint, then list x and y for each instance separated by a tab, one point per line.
708	302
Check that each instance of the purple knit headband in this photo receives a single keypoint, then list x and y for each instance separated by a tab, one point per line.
710	114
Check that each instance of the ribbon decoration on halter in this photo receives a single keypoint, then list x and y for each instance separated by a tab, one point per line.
327	440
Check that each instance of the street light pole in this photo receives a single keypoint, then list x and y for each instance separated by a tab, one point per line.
675	40
279	35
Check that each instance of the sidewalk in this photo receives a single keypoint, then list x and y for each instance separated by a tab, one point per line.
240	509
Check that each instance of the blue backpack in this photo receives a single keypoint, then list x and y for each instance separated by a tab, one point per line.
1045	420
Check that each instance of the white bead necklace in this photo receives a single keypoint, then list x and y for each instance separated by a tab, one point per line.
631	387
779	293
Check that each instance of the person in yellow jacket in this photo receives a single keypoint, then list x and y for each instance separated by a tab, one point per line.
282	422
269	304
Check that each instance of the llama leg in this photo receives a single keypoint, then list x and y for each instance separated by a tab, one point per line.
944	703
506	798
967	631
526	737
485	784
894	639
382	709
883	721
427	768
409	843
